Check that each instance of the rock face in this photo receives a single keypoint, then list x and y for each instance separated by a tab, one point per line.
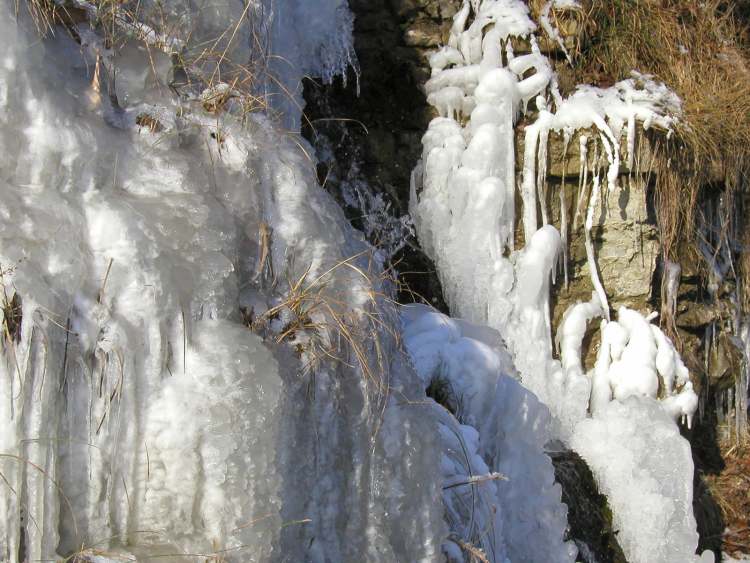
589	515
624	233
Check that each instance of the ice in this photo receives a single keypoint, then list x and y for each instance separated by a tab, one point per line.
463	205
494	463
650	495
463	189
305	39
741	384
636	358
138	410
572	330
201	356
546	24
672	272
590	255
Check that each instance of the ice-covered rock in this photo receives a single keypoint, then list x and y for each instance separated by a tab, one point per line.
463	203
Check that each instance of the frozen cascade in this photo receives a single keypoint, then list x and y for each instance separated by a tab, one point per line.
200	355
307	38
462	203
499	443
618	444
478	158
138	411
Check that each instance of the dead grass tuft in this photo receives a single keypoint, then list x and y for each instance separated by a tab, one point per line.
700	51
731	490
315	317
12	310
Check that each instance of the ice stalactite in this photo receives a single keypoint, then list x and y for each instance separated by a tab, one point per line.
719	236
455	209
741	385
672	272
588	225
552	32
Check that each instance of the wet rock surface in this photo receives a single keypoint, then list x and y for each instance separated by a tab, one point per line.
589	516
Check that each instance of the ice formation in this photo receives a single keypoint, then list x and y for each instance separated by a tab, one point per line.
552	32
306	39
199	354
463	190
493	462
719	246
138	409
650	495
462	203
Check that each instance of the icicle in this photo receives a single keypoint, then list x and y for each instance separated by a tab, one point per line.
542	173
459	24
672	272
583	173
552	32
601	389
528	187
613	153
509	55
510	174
492	52
564	209
631	140
741	385
590	256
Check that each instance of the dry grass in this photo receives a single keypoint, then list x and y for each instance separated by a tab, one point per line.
731	490
10	306
476	555
317	320
700	51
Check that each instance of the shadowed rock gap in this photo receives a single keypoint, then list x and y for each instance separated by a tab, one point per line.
368	144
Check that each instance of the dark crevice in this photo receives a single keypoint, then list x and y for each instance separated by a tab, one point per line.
368	144
589	516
